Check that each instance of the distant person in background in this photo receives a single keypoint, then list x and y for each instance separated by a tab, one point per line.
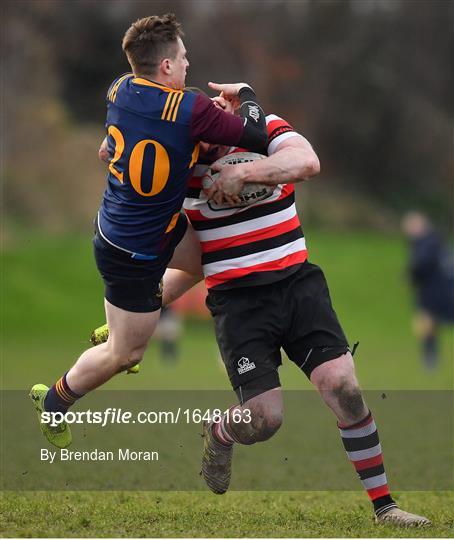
431	271
168	334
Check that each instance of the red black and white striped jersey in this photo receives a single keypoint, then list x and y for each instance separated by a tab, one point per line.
252	245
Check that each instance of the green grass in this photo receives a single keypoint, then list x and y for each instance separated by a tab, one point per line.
247	514
52	298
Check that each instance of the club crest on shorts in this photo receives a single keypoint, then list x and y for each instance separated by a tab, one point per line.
245	365
160	289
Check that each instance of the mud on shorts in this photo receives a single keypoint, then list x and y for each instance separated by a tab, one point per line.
253	323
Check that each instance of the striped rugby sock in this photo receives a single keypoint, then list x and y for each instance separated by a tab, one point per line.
222	431
60	397
363	448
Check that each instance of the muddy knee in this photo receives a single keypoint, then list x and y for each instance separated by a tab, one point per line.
263	424
336	381
350	399
266	425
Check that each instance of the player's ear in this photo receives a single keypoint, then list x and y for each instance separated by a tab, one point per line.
166	66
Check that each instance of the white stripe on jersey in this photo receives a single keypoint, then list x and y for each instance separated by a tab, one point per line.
281	138
245	261
221	271
270	117
247	226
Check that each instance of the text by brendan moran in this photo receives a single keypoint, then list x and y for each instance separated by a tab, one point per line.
122	454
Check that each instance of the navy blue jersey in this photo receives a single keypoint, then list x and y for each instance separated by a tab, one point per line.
153	133
432	274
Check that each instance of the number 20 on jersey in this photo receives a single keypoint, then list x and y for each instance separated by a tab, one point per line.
161	168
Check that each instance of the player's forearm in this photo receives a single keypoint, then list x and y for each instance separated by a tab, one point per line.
286	166
213	125
255	136
176	283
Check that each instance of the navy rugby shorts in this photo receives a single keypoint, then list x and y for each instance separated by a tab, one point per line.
133	284
253	323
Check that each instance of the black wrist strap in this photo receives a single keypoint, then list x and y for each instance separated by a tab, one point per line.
255	136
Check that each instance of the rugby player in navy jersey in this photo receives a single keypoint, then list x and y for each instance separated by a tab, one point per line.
263	295
153	134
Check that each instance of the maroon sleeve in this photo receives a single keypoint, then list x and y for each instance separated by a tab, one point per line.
213	125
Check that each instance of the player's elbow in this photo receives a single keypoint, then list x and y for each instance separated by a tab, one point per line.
303	168
103	155
311	165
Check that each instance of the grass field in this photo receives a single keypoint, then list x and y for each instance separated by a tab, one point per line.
51	299
177	514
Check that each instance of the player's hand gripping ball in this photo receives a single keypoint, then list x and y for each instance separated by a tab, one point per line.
251	192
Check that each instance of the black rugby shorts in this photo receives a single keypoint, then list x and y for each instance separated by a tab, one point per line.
253	323
133	284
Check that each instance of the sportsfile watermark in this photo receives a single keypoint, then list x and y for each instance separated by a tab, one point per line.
112	415
154	440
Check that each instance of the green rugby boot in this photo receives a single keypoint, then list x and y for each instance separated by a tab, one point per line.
100	335
133	369
59	436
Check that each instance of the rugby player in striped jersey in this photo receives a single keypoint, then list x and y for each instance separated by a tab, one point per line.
265	295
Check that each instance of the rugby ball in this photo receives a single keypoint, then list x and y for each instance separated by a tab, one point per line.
251	192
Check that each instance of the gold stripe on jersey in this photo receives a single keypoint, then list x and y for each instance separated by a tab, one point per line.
166	106
195	155
109	95
173	222
146	82
173	100
116	86
175	111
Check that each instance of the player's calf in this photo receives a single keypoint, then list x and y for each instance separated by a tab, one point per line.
99	364
256	420
337	384
346	399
